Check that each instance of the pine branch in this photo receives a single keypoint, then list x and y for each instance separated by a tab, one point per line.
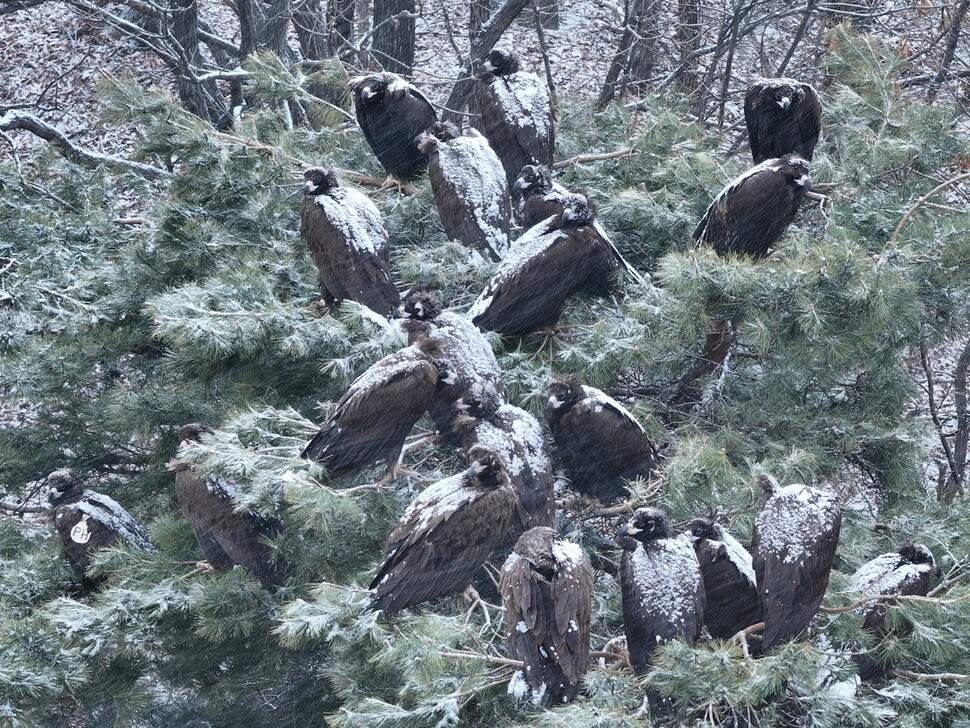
921	201
922	676
490	659
21	508
583	158
18	120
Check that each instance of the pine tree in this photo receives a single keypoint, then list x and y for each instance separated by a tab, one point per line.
205	310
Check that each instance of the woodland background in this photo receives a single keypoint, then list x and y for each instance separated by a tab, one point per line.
152	274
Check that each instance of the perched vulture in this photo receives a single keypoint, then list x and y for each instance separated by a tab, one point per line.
551	261
516	114
547	589
729	581
346	235
87	521
461	343
470	189
753	211
482	419
600	444
538	196
661	586
227	536
375	415
905	572
783	116
391	113
795	535
445	535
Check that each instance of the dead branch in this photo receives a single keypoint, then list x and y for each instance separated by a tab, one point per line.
922	676
921	201
741	637
18	120
491	659
583	158
21	508
955	472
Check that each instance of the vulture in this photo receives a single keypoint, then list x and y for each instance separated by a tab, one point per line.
599	443
904	572
445	535
87	521
470	188
516	113
227	535
660	584
547	589
482	419
538	196
461	343
346	235
796	531
753	211
783	116
554	259
392	113
375	415
729	581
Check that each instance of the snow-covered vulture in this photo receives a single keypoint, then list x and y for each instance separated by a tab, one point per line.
551	261
482	419
346	235
599	443
516	113
375	415
729	581
783	116
461	343
87	521
537	196
661	586
795	536
906	572
547	589
227	535
470	188
753	211
445	535
392	113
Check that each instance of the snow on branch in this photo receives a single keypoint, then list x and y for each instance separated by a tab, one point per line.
19	120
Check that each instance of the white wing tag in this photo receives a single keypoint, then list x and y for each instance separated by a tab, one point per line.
80	532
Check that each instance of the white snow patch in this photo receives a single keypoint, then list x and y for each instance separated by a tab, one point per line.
667	576
354	215
439	501
399	362
466	348
518	687
736	553
790	522
525	100
886	574
604	400
109	512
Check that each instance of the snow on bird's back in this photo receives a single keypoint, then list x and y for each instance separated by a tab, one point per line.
467	349
794	520
600	399
885	574
667	577
525	100
440	501
109	513
736	554
398	363
354	215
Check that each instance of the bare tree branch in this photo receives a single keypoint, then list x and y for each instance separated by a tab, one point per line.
18	120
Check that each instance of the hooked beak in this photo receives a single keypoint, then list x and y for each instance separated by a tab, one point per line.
553	403
487	66
367	93
804	181
518	184
785	102
309	187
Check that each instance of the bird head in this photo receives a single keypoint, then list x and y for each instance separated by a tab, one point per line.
576	211
647	524
486	467
535	546
918	554
63	485
193	431
480	400
563	394
369	89
447	376
785	95
500	63
703	528
798	171
318	180
421	304
533	179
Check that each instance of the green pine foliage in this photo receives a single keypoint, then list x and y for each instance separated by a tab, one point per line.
205	309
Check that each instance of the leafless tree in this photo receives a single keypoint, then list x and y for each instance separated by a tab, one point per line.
393	45
635	58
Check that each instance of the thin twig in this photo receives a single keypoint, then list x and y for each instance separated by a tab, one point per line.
491	659
923	676
583	158
921	201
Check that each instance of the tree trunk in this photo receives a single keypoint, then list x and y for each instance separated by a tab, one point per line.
202	99
952	485
710	362
688	40
952	38
311	30
637	54
341	21
548	12
393	45
479	11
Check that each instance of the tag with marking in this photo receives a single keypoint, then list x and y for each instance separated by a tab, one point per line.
80	532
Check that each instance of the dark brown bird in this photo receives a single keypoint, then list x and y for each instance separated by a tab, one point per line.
470	189
227	535
547	589
783	116
796	532
391	113
730	584
538	196
661	584
87	521
445	535
905	572
482	419
375	415
346	235
599	443
550	262
516	113
753	211
461	343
